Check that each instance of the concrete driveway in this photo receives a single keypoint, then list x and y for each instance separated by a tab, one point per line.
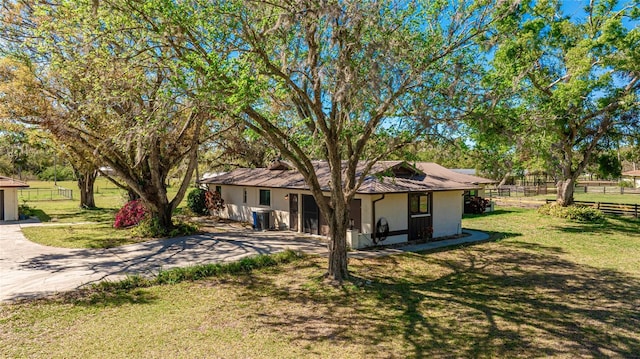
28	269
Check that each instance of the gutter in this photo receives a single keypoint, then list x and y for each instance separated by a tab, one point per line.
373	219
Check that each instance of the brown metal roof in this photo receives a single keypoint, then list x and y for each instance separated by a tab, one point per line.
437	170
426	177
635	173
6	182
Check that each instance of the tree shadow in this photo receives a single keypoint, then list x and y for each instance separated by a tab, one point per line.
497	212
627	225
501	302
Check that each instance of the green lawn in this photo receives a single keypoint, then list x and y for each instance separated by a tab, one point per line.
594	197
543	288
67	213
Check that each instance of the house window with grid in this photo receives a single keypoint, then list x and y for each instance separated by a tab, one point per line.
265	197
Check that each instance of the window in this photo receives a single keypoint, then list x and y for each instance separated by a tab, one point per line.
244	195
265	197
419	203
219	190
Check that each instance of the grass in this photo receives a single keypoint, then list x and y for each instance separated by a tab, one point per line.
594	197
94	235
544	287
96	225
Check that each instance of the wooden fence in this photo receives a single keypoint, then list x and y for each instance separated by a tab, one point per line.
66	193
519	191
606	190
620	209
40	194
529	191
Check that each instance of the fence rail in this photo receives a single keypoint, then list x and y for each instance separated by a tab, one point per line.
520	191
66	193
40	194
530	191
619	209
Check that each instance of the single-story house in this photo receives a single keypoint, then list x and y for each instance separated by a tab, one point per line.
635	177
9	198
397	202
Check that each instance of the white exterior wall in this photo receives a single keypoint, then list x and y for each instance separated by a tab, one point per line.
394	207
10	204
236	210
447	213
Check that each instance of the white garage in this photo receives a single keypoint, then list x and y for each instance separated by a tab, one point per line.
9	198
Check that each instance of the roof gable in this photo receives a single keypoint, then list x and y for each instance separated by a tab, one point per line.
6	182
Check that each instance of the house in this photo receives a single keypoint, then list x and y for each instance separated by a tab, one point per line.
9	198
397	202
635	177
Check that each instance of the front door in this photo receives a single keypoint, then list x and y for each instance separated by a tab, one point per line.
420	219
293	211
355	213
310	215
1	205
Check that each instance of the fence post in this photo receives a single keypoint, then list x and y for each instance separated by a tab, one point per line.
636	211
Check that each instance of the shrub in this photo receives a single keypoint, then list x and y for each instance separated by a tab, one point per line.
626	184
245	265
130	214
214	201
477	205
149	228
60	173
574	213
25	210
196	201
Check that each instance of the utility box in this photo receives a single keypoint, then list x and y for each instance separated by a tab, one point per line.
262	219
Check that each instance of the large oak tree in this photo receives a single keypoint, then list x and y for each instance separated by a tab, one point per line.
328	80
97	83
574	81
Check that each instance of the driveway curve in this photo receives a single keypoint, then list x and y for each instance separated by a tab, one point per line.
31	270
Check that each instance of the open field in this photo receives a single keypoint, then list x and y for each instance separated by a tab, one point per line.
544	288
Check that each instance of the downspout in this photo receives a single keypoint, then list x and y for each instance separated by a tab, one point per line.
373	219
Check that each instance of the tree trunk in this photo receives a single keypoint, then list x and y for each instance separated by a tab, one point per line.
504	179
163	216
132	194
565	192
86	181
338	225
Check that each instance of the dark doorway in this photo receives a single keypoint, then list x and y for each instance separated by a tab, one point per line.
293	211
1	205
420	218
314	223
310	215
355	214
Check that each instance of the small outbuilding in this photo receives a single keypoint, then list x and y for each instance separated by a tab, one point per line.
9	198
397	201
634	176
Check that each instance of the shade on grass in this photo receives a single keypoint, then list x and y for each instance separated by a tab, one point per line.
546	287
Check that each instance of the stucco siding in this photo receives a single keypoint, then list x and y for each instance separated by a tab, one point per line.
10	204
447	213
237	210
393	208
